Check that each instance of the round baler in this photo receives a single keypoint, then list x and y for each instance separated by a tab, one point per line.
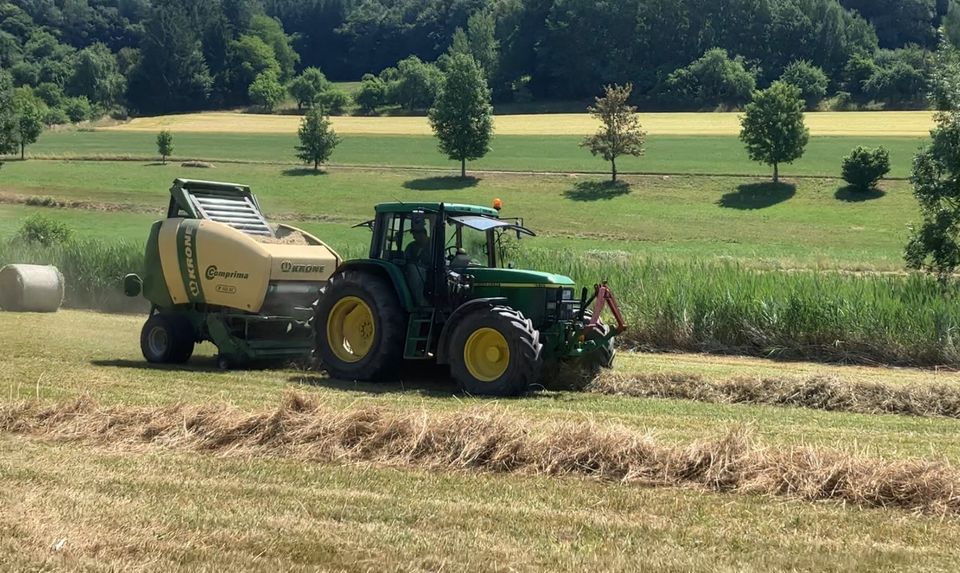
216	270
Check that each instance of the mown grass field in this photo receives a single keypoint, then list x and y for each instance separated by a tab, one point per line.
666	154
109	506
706	255
881	124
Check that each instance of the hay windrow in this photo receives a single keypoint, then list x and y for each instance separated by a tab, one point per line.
490	439
815	392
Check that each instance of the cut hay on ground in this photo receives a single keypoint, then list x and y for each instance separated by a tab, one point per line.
876	124
490	439
815	392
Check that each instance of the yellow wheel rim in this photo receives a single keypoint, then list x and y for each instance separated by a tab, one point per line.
350	329
486	354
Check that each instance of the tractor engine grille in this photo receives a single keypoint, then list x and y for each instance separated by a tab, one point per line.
563	307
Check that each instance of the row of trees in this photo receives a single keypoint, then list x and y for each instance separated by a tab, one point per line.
156	56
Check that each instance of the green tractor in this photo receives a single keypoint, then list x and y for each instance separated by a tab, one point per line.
435	288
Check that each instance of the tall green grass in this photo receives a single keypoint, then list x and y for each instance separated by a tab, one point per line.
679	305
93	270
723	307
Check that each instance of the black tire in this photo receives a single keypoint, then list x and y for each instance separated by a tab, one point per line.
525	362
167	338
602	358
389	322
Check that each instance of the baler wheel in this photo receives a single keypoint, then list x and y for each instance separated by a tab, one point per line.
167	339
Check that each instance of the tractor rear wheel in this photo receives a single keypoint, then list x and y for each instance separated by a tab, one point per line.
360	327
167	338
496	351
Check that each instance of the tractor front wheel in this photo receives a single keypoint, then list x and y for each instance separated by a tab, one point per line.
167	338
496	351
360	327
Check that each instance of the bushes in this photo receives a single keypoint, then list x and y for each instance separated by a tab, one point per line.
334	101
713	80
47	232
864	167
811	80
78	109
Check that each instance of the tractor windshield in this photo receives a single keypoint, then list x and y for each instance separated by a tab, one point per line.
474	239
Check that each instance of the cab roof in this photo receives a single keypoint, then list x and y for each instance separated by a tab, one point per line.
451	208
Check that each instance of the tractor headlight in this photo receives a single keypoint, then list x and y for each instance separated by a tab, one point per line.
566	294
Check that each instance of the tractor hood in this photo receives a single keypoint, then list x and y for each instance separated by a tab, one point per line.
516	277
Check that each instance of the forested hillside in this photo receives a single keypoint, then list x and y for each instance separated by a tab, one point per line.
85	57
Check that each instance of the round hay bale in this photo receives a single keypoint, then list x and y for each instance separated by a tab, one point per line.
198	164
31	288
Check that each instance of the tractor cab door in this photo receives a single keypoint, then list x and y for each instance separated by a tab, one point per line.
407	243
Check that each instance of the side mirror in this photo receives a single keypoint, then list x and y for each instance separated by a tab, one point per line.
132	285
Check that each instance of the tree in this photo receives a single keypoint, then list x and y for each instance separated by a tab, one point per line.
934	245
271	32
416	85
772	126
29	114
479	41
96	76
372	93
308	86
714	79
248	57
620	131
317	138
8	122
811	80
172	74
165	145
462	118
266	91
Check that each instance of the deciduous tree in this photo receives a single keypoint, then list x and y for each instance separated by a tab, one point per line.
462	117
308	86
8	122
266	92
165	145
29	113
620	131
317	138
772	126
809	78
934	244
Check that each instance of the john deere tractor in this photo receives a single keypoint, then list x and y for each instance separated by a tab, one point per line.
435	287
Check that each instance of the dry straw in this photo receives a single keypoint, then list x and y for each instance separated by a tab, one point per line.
816	392
491	439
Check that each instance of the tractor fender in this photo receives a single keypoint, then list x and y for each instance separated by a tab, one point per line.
386	271
461	311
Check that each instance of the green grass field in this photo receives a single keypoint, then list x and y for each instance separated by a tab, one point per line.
671	154
117	507
809	223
